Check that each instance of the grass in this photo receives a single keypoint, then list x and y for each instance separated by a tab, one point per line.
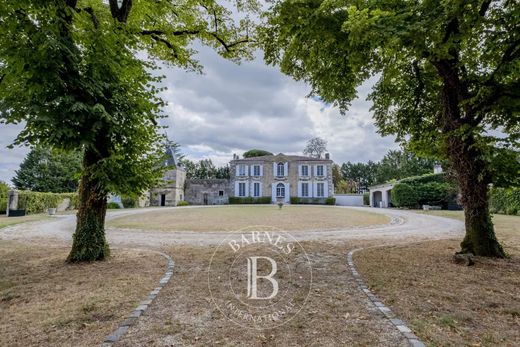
7	221
44	301
231	218
335	313
448	304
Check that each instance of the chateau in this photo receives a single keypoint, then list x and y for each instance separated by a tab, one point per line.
281	177
267	178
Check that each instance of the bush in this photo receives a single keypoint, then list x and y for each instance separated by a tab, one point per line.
366	199
183	203
312	201
128	202
435	193
4	190
113	205
330	201
405	195
37	202
423	179
504	200
237	200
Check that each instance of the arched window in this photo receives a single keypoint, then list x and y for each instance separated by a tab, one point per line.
280	168
280	190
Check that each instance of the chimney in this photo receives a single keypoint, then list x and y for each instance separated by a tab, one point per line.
327	156
437	168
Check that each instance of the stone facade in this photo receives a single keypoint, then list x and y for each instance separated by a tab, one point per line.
282	176
208	191
171	190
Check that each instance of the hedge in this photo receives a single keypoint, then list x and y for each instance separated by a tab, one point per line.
236	200
366	199
314	201
413	193
37	202
183	203
423	179
4	189
505	201
113	206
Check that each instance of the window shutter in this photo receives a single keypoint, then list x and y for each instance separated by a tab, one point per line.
299	170
246	170
248	193
260	193
273	192
236	189
300	189
287	192
286	169
274	169
325	189
261	170
237	168
324	170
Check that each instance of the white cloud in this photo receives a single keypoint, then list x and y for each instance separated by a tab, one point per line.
233	108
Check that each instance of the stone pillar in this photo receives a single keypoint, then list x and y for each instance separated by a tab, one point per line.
12	201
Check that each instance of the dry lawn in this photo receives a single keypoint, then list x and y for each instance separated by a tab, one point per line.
46	302
335	314
232	218
448	304
6	221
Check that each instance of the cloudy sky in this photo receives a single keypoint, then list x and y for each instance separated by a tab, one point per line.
232	108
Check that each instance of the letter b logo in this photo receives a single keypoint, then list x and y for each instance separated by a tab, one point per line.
252	278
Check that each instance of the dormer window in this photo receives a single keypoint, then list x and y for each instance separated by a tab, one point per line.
280	170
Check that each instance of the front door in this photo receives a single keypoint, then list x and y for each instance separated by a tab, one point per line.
163	199
205	197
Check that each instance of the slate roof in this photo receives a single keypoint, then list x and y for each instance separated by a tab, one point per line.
279	156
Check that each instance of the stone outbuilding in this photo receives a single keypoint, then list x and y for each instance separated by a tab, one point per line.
212	191
171	189
381	195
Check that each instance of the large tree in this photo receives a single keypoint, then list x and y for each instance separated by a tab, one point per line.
399	164
315	147
79	74
447	71
44	170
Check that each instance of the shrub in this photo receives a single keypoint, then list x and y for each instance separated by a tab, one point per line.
4	190
435	193
183	203
113	205
314	201
128	202
237	200
504	200
330	201
423	179
366	199
405	195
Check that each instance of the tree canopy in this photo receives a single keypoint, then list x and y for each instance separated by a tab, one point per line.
80	74
256	153
44	170
447	73
315	147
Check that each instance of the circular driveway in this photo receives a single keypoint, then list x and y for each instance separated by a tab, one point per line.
404	226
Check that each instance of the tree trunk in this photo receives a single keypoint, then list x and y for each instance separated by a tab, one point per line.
89	243
467	160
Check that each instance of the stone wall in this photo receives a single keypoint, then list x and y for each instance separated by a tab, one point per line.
172	188
207	191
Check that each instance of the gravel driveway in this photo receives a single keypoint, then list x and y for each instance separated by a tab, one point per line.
404	225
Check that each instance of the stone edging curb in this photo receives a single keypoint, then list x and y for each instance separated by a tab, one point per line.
143	306
399	324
